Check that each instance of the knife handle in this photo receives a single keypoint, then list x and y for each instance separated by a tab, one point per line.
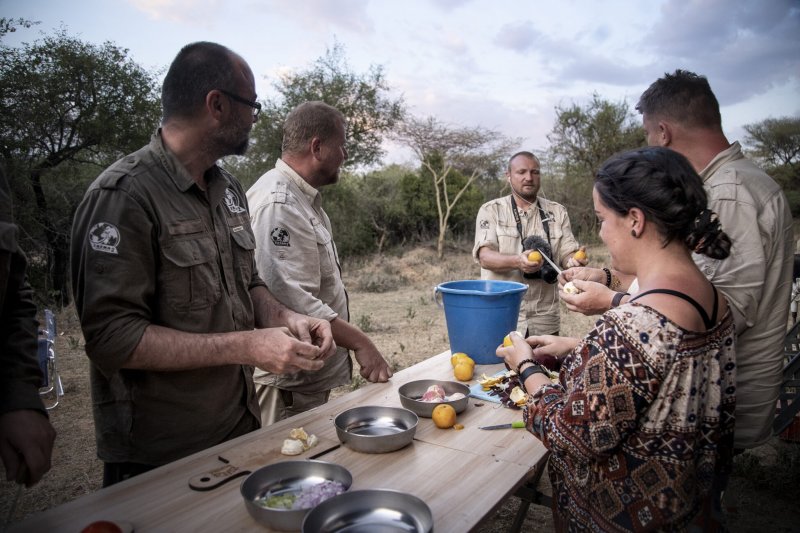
517	424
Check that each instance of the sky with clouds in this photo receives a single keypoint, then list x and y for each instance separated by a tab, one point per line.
500	64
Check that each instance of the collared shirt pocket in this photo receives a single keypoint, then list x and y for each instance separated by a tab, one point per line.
508	241
244	247
190	276
327	262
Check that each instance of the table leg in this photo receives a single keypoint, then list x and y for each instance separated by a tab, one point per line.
528	493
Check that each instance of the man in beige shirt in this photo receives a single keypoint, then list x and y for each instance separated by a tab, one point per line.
297	258
503	224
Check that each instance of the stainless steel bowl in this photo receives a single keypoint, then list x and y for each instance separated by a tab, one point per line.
376	429
287	477
369	511
412	391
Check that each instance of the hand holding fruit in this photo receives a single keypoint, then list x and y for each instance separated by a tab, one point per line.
578	259
530	261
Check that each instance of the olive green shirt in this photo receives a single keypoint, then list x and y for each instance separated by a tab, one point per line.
150	247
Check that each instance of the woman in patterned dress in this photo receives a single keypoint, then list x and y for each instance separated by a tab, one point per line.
640	424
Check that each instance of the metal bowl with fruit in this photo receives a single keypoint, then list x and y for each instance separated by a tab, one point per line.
424	395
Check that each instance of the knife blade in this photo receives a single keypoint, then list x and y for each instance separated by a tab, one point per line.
514	424
552	264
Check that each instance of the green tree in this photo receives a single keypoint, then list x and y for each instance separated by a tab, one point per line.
775	144
444	152
68	108
363	98
581	139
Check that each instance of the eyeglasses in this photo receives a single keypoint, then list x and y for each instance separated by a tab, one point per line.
255	105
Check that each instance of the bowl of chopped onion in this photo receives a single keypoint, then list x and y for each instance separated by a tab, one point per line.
281	494
424	395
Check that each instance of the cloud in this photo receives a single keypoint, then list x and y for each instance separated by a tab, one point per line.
321	15
747	47
194	12
520	37
449	5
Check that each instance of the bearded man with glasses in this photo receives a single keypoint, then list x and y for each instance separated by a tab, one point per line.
174	313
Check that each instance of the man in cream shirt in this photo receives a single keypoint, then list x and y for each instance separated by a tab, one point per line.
297	259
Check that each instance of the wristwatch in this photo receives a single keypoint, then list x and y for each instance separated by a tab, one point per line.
535	368
618	298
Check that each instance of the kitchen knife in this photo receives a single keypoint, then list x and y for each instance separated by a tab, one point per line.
514	424
555	266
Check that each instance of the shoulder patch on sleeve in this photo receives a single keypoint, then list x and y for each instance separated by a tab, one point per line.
104	237
280	236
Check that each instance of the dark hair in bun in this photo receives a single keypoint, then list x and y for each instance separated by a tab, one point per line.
663	184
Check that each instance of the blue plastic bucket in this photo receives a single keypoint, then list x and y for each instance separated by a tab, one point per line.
479	313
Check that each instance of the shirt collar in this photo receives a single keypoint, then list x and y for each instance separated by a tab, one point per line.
310	192
177	172
733	152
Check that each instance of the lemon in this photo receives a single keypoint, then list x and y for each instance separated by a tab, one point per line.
534	257
444	416
463	371
461	357
580	255
507	341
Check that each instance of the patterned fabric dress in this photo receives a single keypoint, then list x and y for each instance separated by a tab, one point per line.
640	424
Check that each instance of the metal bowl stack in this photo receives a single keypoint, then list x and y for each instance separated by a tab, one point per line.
376	429
287	477
411	392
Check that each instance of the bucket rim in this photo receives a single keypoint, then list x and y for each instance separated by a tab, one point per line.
514	287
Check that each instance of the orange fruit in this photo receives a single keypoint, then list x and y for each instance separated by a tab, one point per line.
463	371
534	257
444	416
461	357
580	255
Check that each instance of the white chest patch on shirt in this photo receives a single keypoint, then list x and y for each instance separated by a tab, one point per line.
280	236
104	237
232	202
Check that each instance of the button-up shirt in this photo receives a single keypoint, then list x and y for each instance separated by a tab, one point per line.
756	279
150	247
297	258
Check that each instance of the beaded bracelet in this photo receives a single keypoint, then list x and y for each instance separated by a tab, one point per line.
608	276
519	366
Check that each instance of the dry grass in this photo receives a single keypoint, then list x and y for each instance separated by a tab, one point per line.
392	298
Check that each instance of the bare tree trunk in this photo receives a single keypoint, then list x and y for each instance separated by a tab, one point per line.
57	245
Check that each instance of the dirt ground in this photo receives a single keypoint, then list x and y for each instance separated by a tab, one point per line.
391	299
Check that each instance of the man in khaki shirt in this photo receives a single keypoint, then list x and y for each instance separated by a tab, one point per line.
499	250
297	257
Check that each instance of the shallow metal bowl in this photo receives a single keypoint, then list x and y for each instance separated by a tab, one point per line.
287	477
410	394
370	511
376	429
